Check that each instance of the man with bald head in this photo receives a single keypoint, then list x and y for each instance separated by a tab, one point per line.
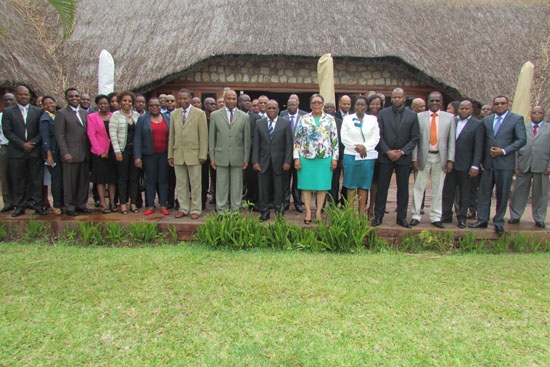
21	126
418	105
229	146
272	157
486	110
533	168
468	152
86	102
196	102
7	192
399	134
344	107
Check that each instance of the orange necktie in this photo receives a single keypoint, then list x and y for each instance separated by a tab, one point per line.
433	130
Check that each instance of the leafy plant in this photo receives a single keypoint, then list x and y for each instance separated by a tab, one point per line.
501	245
35	230
173	233
520	242
114	233
70	234
90	233
143	232
468	242
3	231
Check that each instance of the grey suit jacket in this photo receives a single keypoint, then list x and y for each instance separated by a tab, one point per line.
71	135
535	155
511	137
14	129
229	145
446	138
277	149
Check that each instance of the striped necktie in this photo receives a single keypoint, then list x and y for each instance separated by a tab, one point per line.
271	129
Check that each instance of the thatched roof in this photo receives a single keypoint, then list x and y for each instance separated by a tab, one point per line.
474	47
26	31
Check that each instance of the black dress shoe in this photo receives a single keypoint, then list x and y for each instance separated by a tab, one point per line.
6	209
422	212
376	222
403	223
299	208
414	222
499	229
71	213
264	217
513	221
478	224
38	210
97	204
438	224
461	224
18	212
540	224
84	210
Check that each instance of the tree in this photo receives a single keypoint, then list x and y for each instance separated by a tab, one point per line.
66	10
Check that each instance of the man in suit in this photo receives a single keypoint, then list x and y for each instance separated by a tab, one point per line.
344	107
251	176
86	102
293	114
533	166
74	150
229	146
7	191
399	134
504	135
187	150
21	126
468	152
433	157
272	157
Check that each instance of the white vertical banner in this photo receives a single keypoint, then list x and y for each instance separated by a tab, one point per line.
105	73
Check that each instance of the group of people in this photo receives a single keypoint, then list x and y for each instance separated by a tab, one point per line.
235	145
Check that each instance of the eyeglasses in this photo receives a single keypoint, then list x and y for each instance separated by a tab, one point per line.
317	102
500	103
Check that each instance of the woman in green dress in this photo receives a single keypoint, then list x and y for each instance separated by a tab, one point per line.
315	155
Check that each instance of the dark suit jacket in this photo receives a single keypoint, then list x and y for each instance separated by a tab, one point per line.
14	128
253	118
47	130
277	150
143	138
511	136
403	137
71	136
469	146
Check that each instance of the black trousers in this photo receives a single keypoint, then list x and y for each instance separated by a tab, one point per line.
128	176
271	185
76	184
251	181
26	172
57	181
456	189
502	181
402	173
291	186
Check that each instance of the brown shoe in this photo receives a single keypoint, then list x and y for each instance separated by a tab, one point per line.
180	214
195	216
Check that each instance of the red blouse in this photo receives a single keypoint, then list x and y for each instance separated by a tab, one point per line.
160	136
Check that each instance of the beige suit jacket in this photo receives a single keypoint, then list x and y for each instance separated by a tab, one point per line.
446	139
535	155
188	142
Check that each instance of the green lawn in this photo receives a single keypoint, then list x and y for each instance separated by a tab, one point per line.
192	306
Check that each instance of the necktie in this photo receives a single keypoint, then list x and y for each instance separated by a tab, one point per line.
535	128
433	130
271	129
78	117
230	116
184	116
497	125
292	123
24	113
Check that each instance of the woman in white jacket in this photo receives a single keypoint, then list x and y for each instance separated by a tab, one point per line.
360	136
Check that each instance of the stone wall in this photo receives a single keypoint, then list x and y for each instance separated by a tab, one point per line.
288	71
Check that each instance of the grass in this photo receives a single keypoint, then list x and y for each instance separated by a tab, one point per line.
193	306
